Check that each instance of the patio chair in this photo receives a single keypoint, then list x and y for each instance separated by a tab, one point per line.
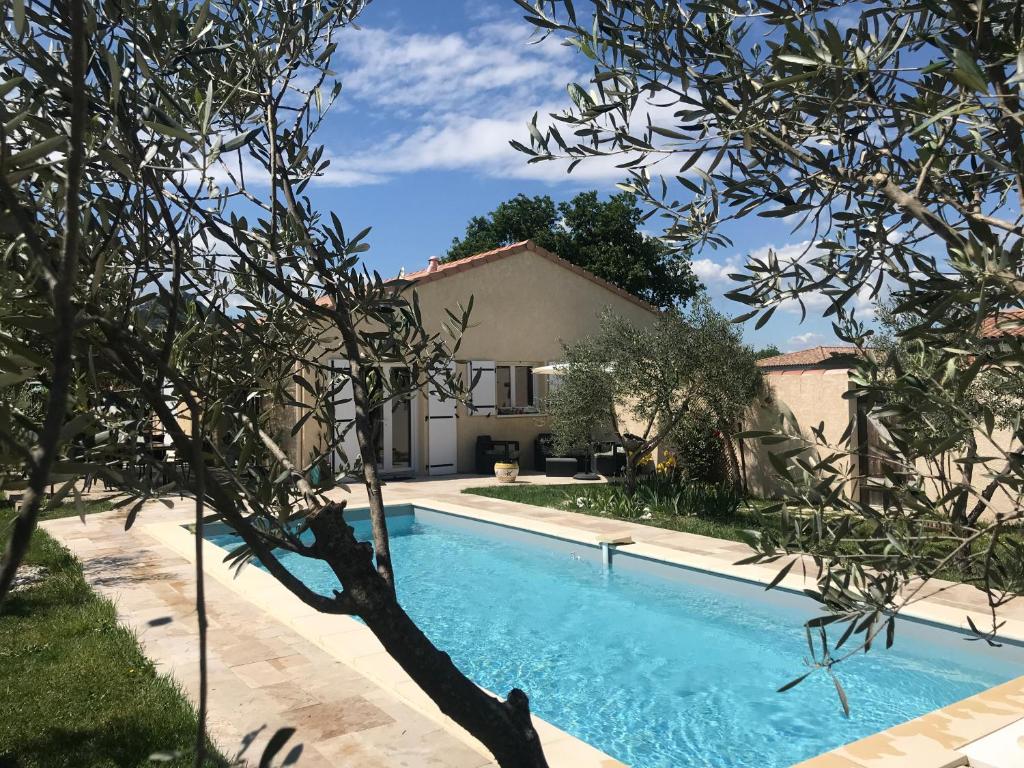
612	461
490	451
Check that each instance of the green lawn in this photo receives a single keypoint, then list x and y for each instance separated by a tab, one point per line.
75	688
558	497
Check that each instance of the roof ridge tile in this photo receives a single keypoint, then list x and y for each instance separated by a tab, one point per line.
486	257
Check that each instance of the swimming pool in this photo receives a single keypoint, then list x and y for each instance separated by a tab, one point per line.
657	665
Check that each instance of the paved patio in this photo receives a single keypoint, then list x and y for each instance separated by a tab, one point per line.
274	663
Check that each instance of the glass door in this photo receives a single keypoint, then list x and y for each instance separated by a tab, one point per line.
393	435
400	426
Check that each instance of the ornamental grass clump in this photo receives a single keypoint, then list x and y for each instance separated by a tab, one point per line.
658	495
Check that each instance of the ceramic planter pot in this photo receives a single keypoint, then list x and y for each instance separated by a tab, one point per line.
506	472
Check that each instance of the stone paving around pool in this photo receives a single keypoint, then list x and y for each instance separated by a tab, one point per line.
262	675
274	662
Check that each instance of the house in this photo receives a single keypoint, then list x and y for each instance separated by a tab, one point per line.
807	389
528	303
806	386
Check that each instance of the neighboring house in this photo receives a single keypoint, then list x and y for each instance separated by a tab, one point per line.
527	303
808	387
1005	325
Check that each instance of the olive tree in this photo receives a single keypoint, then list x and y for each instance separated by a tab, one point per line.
641	383
890	135
993	394
167	272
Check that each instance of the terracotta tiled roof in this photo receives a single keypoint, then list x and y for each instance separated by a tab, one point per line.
1010	322
808	358
1007	323
488	257
436	271
443	270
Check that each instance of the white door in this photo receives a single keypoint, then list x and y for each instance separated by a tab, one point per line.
393	426
347	450
441	433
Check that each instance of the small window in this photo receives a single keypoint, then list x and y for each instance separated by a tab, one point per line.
514	389
524	386
503	386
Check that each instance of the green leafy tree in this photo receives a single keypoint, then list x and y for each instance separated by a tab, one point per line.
945	438
770	351
164	269
697	446
642	384
602	236
895	140
512	221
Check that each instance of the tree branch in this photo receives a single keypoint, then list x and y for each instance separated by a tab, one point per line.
64	309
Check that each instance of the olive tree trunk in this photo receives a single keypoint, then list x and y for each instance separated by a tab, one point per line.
504	727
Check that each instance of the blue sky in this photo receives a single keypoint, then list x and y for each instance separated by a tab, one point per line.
432	91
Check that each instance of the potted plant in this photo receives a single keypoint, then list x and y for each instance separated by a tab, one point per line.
506	471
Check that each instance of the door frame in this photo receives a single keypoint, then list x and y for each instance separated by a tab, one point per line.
386	467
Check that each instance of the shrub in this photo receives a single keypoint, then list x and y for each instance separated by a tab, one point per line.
697	448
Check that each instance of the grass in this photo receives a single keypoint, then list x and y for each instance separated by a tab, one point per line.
75	688
555	496
64	510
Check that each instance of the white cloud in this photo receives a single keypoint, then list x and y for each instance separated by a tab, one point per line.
712	272
804	340
459	142
337	177
716	273
491	64
226	173
453	102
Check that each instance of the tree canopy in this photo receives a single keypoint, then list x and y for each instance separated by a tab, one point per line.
175	297
604	237
640	384
890	135
769	351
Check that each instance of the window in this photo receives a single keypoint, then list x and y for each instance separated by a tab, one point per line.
875	462
503	387
524	386
514	389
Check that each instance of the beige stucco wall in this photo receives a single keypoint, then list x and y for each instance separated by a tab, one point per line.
812	396
525	308
992	450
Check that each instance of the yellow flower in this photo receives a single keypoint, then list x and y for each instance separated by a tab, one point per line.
669	463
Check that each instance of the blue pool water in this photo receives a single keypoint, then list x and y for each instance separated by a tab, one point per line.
659	666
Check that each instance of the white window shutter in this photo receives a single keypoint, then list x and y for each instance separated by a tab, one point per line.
442	441
346	452
481	395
